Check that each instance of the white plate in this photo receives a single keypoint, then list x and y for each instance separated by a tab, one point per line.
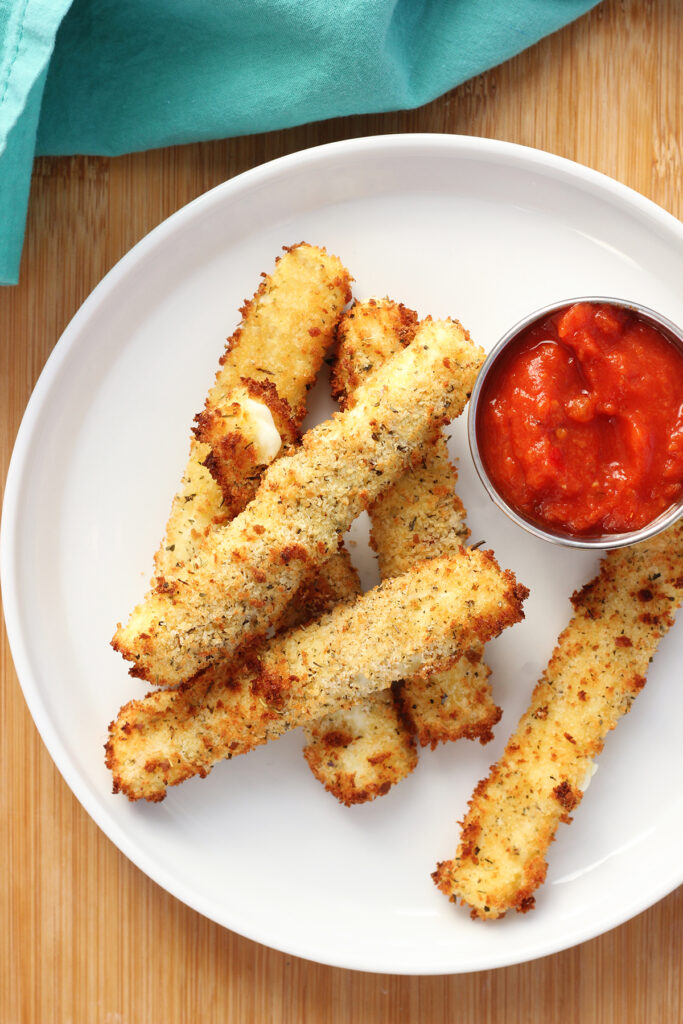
482	230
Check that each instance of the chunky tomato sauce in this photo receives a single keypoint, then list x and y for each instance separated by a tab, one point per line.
580	421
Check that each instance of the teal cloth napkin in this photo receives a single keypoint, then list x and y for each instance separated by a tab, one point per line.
114	76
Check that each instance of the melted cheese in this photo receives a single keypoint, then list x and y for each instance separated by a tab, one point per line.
592	769
261	423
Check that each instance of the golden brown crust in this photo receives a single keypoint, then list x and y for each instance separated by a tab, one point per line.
594	675
359	753
233	460
451	705
367	335
251	567
200	505
159	715
300	302
197	509
417	620
419	516
336	580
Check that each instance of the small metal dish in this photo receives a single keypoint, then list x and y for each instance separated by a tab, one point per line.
596	541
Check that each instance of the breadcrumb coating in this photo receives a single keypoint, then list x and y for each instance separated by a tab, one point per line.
230	436
286	327
419	620
452	705
419	516
155	717
359	753
264	362
199	506
334	581
252	566
278	348
368	334
596	671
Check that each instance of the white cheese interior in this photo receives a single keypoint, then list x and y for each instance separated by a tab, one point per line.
592	769
266	435
356	716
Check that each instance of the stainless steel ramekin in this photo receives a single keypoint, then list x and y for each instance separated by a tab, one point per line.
600	541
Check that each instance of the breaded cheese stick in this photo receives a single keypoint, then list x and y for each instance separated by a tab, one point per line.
334	581
276	352
418	517
155	718
200	506
423	618
252	566
360	752
258	398
301	301
595	673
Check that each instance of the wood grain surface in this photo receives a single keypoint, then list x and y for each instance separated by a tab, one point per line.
84	936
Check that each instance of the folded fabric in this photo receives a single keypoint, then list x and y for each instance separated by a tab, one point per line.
125	75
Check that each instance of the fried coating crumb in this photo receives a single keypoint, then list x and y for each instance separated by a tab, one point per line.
419	620
419	516
276	351
452	705
367	335
235	458
591	680
272	359
251	567
359	753
336	580
286	327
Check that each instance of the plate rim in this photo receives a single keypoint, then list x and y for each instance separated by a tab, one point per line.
496	151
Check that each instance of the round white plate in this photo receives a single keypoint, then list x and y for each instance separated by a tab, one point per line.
480	230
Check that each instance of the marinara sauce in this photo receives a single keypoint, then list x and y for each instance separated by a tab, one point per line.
580	421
